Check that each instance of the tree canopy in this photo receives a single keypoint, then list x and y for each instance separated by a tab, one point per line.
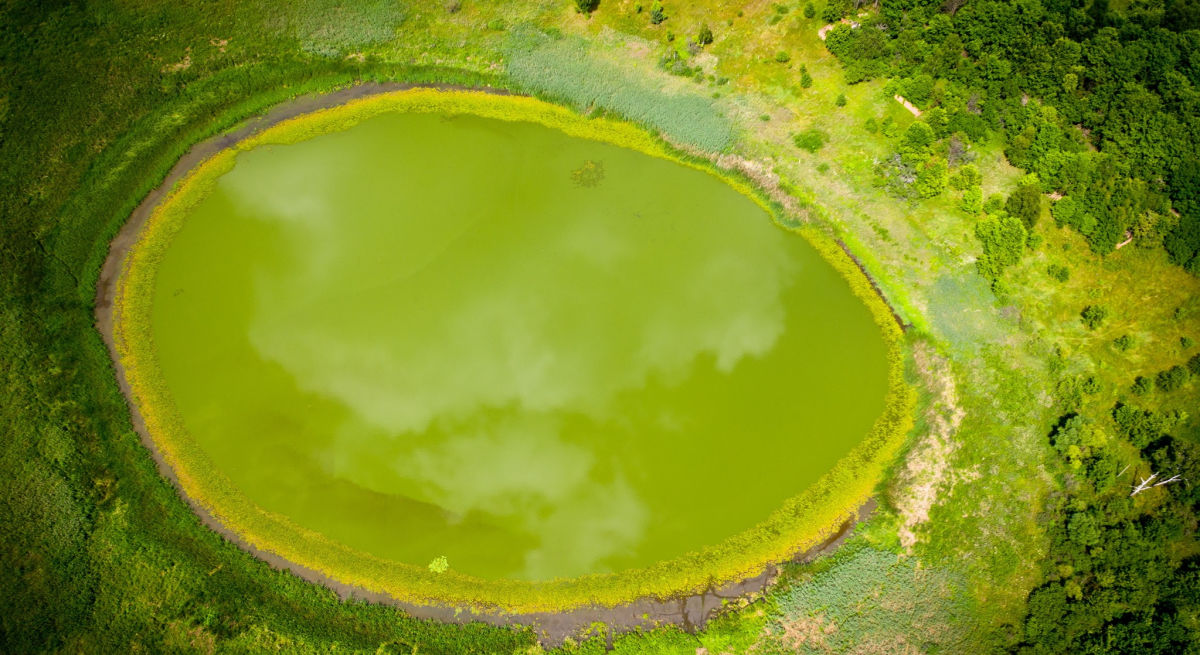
1103	105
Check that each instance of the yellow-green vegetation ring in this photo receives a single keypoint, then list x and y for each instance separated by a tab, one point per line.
803	521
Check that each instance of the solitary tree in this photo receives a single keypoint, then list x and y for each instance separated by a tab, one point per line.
1003	241
1025	203
586	6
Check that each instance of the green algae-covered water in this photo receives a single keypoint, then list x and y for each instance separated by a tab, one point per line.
535	355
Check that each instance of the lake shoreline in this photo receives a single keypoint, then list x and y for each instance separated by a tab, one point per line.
689	611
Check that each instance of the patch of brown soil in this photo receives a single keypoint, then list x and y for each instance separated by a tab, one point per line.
907	105
181	65
897	646
824	31
926	475
807	631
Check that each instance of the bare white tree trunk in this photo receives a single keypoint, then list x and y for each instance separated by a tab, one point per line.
1144	484
1148	483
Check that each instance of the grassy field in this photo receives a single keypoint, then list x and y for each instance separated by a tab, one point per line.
97	102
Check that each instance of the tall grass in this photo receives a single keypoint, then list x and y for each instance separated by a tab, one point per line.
872	600
334	28
563	69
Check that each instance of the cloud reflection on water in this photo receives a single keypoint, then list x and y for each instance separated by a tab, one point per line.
548	318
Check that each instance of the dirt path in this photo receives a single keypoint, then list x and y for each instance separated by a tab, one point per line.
907	105
824	31
552	628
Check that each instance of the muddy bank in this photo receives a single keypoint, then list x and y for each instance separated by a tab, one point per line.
691	612
874	285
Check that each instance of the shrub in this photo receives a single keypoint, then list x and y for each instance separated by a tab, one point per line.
1093	316
833	11
1057	272
705	36
811	139
1141	386
1171	379
889	127
972	201
1064	210
917	138
931	179
973	126
1194	365
966	177
1003	241
1186	343
871	126
1123	343
841	100
657	14
1141	426
586	6
918	90
782	57
809	10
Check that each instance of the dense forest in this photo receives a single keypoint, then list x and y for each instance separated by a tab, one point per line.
1101	108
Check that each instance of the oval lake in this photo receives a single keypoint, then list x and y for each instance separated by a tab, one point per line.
536	355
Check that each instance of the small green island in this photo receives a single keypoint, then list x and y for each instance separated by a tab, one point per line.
578	326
